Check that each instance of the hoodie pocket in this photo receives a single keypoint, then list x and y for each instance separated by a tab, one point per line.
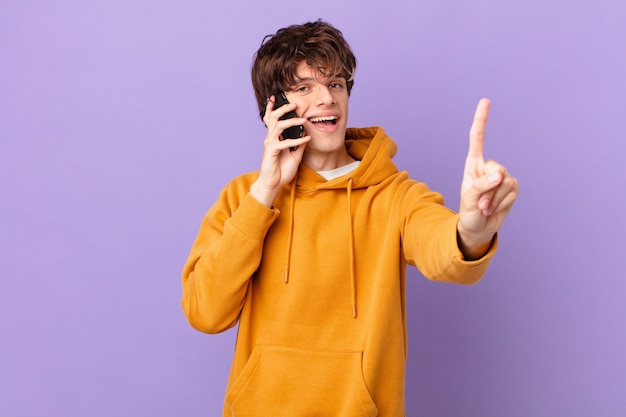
290	382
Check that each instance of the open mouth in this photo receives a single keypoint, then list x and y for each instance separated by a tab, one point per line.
331	120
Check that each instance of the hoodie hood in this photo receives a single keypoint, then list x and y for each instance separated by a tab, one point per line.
372	147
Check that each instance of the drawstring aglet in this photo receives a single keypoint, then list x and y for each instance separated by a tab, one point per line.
354	310
286	276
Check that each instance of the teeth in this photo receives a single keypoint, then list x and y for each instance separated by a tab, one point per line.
323	119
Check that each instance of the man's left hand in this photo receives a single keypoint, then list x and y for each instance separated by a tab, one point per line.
488	192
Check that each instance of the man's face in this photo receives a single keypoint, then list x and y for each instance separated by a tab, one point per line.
323	101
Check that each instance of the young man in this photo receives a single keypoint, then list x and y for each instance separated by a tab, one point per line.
308	254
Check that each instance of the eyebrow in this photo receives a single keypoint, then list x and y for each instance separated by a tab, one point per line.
298	80
302	80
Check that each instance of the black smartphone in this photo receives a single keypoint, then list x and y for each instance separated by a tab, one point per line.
293	132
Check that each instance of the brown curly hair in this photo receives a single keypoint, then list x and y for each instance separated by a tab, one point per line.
317	43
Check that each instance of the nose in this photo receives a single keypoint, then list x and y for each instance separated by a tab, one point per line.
324	96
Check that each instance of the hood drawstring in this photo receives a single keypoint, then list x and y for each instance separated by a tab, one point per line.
290	231
351	244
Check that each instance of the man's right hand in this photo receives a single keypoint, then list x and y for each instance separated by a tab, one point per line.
279	164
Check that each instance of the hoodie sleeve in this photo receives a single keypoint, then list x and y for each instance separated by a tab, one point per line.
429	238
226	253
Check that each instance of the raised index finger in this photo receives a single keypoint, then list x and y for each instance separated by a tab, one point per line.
477	131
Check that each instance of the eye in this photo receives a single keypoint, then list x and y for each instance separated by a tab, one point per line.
336	85
300	89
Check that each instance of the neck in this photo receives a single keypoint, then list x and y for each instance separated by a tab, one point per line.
326	162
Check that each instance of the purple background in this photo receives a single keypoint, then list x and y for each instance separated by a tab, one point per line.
120	121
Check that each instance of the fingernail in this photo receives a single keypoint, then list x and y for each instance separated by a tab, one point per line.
493	178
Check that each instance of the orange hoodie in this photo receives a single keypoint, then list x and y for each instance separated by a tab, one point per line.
317	284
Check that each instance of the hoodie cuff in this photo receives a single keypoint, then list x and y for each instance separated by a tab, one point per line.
465	271
253	219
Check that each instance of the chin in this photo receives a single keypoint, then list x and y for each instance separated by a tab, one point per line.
327	143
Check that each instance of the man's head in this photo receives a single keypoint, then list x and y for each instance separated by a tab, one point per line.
318	44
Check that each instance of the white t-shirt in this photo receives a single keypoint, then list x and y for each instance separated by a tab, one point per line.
338	172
